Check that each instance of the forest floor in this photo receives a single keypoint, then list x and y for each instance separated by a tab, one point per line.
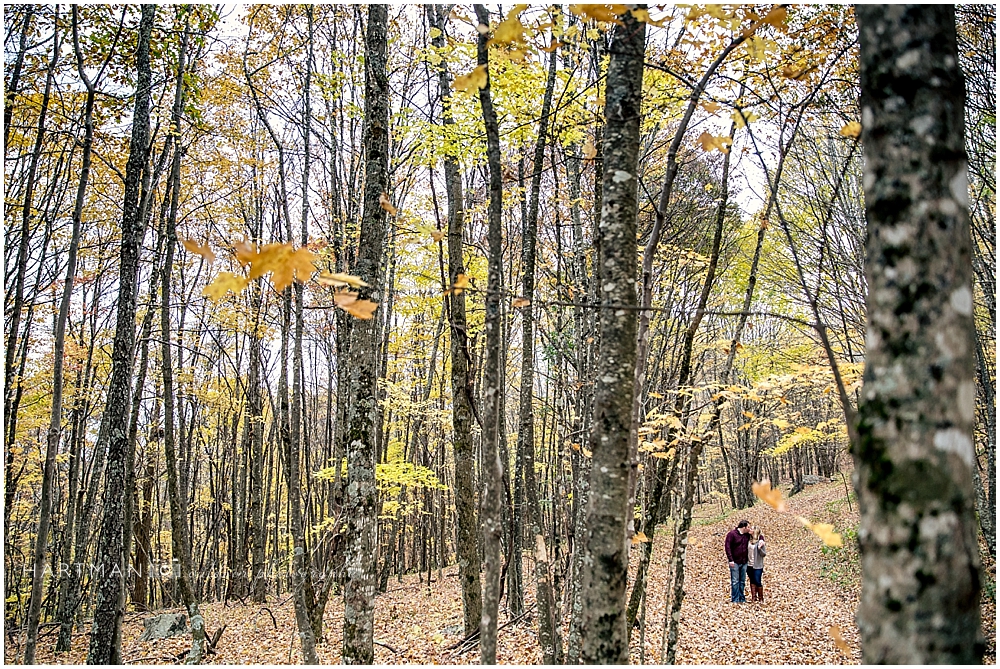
806	591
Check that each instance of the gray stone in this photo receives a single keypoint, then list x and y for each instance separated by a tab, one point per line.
164	626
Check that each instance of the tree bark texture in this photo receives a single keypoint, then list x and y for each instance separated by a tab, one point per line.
914	452
492	497
548	627
605	563
363	426
105	635
467	539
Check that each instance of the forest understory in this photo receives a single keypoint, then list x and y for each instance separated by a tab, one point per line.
415	623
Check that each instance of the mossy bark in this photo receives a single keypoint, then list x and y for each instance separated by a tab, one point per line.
914	451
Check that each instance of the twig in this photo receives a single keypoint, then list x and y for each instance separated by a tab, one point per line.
385	645
270	613
468	643
168	658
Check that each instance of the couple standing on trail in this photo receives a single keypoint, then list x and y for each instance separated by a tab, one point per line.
745	550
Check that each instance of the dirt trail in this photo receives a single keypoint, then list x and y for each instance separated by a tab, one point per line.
792	626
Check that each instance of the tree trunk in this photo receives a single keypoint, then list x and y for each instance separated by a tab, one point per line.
492	497
363	427
914	452
605	639
548	627
105	636
467	536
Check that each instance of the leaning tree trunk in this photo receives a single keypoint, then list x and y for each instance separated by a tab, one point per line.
492	496
605	567
363	427
105	635
914	452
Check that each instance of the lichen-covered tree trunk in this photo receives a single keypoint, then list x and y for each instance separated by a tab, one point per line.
914	452
605	567
363	426
105	634
467	536
492	497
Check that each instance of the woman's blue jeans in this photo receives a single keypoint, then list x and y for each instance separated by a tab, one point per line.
737	582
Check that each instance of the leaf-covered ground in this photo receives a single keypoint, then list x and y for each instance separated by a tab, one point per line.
806	591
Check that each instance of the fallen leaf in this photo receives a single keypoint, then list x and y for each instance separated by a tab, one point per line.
338	279
205	251
838	639
771	497
710	142
476	79
349	302
383	200
225	282
852	129
461	283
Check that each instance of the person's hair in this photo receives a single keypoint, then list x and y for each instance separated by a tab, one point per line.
743	523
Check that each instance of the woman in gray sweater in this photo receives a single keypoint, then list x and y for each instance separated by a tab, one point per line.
756	552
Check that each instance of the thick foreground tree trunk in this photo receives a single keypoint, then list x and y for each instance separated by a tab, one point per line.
605	564
914	453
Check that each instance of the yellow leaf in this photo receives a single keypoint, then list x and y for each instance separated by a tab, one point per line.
643	15
383	200
711	142
434	32
825	532
749	415
297	265
838	639
852	129
553	45
606	13
771	497
475	79
520	302
510	29
780	423
776	18
461	283
711	107
349	302
738	118
225	282
589	150
639	537
437	235
205	251
337	279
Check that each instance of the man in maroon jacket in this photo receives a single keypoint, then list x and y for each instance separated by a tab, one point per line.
736	550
